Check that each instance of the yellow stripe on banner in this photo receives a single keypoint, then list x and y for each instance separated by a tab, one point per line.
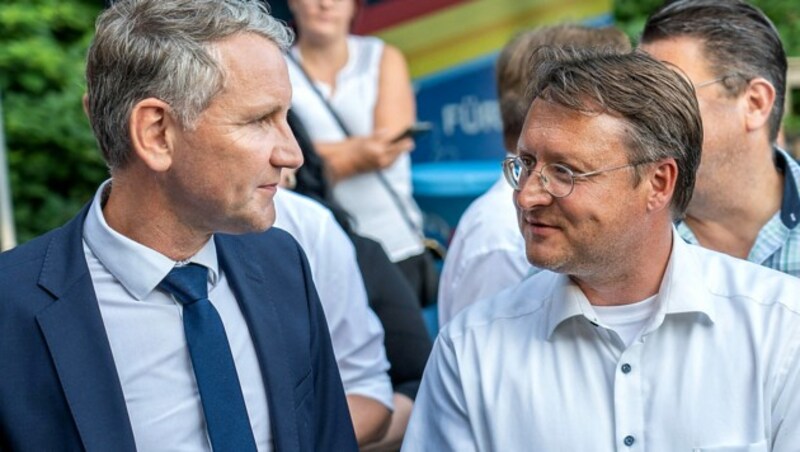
476	28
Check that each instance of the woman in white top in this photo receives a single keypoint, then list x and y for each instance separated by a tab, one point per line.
367	84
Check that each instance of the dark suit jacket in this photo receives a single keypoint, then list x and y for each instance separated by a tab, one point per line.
59	388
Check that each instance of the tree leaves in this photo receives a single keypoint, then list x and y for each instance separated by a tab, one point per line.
54	163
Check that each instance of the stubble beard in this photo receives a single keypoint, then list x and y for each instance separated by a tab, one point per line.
578	260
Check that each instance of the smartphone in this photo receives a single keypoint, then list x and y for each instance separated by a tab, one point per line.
414	130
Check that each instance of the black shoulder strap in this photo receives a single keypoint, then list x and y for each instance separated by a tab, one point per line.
381	177
322	99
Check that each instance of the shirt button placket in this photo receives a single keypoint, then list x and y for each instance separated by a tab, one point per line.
628	403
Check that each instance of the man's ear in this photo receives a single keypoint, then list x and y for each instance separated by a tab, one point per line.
150	127
85	102
662	178
760	98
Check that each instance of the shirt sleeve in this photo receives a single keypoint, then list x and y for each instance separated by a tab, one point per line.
473	278
406	340
440	421
356	333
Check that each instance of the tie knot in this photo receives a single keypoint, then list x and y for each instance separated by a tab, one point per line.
188	283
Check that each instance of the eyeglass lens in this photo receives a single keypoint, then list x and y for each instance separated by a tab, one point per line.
556	179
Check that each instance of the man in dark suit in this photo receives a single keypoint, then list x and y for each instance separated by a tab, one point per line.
162	317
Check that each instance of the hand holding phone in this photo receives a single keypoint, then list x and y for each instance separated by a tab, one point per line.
414	130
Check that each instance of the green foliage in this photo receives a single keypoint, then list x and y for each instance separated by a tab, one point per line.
630	15
786	16
54	163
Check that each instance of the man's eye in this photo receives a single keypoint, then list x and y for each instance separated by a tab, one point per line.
528	162
561	170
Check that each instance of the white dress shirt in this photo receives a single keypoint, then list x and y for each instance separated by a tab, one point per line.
486	255
356	332
717	368
145	330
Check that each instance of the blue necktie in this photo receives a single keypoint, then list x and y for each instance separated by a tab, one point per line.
220	391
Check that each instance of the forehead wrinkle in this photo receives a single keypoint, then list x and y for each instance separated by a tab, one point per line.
251	88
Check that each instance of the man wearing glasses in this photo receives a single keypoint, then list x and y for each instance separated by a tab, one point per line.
487	253
747	201
630	338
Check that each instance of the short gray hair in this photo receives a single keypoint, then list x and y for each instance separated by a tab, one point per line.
163	49
657	105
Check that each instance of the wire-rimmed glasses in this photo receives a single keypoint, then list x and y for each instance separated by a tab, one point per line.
717	80
558	180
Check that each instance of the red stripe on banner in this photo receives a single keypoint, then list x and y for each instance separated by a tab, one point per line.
392	12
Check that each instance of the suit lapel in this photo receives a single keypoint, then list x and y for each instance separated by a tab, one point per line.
77	341
258	292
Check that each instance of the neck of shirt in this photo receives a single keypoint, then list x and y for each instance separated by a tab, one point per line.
627	320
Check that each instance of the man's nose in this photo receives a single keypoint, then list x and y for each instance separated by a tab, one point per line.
532	193
287	153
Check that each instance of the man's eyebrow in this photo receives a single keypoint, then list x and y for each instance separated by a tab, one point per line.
554	156
266	110
573	160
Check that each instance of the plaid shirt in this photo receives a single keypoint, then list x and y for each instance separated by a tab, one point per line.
778	243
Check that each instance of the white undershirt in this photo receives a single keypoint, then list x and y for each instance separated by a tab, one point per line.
627	320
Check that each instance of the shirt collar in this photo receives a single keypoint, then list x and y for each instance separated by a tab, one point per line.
790	206
567	301
138	268
682	290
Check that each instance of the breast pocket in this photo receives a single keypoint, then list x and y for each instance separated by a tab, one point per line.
760	446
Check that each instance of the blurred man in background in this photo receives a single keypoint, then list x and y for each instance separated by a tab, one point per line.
747	201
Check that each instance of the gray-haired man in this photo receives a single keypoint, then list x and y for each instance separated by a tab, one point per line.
154	320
